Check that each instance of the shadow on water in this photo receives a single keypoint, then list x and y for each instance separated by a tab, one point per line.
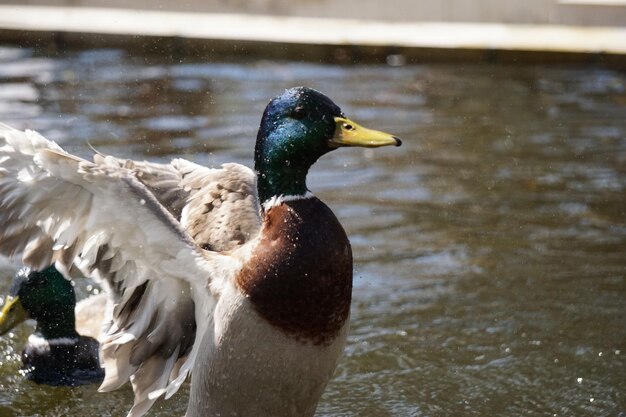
490	249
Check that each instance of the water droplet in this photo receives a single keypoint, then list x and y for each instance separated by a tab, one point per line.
579	380
142	201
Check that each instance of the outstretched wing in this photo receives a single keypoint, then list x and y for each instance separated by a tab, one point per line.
100	215
219	209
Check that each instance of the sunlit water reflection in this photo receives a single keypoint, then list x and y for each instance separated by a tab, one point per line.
490	249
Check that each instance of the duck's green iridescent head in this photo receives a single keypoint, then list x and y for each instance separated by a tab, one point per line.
45	296
297	128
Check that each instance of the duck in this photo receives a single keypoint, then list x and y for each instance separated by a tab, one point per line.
56	353
239	278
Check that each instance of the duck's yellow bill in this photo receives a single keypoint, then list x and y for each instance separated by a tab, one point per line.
12	314
348	133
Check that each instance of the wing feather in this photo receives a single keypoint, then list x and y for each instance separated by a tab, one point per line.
130	225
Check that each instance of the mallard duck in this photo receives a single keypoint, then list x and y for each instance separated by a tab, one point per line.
55	354
241	277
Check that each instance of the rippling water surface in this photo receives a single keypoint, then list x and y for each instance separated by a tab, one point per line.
490	250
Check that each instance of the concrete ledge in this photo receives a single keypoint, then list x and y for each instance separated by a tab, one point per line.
309	38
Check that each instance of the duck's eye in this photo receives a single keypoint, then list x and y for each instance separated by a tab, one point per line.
299	113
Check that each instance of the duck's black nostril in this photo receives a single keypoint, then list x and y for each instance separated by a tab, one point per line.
398	141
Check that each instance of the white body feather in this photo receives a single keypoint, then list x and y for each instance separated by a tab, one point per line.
250	368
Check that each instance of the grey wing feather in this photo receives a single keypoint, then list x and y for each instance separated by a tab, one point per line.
217	207
222	211
162	180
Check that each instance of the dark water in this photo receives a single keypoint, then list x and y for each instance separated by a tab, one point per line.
490	249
